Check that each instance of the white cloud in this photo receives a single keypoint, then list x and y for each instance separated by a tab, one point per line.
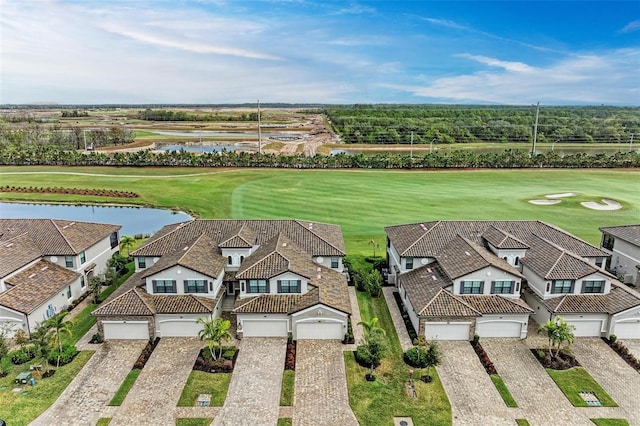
509	66
631	27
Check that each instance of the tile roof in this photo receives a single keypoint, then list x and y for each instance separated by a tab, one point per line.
243	237
17	252
135	302
619	299
201	255
496	304
274	257
267	304
56	236
427	239
36	285
552	262
317	239
447	304
629	233
183	304
502	240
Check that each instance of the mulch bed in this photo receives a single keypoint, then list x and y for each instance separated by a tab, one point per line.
290	358
484	358
48	374
563	361
222	365
619	348
146	354
405	317
70	191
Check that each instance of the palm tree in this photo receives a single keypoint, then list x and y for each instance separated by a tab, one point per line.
215	331
371	327
57	328
126	242
557	331
375	246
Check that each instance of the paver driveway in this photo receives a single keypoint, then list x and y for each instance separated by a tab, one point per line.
633	345
321	397
86	396
474	399
152	399
254	392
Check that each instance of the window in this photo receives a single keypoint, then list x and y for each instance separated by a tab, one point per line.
142	262
241	259
289	286
258	286
608	241
388	242
195	286
68	261
83	258
68	292
502	287
593	286
599	261
471	287
229	260
409	263
82	284
517	262
562	287
335	262
113	239
164	286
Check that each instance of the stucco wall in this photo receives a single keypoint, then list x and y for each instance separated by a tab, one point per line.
150	322
488	275
180	274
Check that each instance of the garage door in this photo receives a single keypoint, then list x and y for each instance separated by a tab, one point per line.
627	330
444	331
125	330
587	328
498	329
264	328
319	330
179	328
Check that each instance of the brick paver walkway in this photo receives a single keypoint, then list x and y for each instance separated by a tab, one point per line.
152	399
474	399
84	399
321	397
358	334
254	392
396	316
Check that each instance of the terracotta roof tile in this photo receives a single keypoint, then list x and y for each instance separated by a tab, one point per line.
502	240
495	304
629	233
135	302
619	299
183	304
17	252
446	304
267	304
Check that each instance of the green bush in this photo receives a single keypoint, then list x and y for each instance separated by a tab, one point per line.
66	356
229	353
20	356
416	357
363	356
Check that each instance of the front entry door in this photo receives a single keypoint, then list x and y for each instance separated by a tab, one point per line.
231	288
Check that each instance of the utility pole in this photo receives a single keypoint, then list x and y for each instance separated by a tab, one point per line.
259	130
411	147
631	143
535	130
84	136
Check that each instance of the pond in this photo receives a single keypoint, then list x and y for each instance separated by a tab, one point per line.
204	148
209	133
134	220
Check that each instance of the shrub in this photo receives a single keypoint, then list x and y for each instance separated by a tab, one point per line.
229	353
476	339
364	357
66	356
20	356
415	357
97	338
613	338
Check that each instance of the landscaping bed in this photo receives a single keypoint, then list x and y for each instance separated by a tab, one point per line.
563	361
490	368
624	353
224	364
405	316
290	358
146	354
70	191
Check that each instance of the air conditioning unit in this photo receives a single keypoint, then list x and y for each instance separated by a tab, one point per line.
628	279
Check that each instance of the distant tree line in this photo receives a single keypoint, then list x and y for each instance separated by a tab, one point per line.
33	133
444	124
170	115
11	154
75	113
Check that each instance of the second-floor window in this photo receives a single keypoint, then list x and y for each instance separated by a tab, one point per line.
68	261
113	239
164	286
409	263
288	286
142	262
82	283
502	287
335	262
562	287
83	258
69	292
471	287
257	286
593	286
195	286
608	241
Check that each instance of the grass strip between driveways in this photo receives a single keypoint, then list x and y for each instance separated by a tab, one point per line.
288	385
575	380
285	421
103	421
193	421
199	382
125	387
17	409
504	391
379	401
610	422
522	422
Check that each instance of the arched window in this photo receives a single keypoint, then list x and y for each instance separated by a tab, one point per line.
517	261
241	259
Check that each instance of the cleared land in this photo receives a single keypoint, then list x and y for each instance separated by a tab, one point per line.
363	202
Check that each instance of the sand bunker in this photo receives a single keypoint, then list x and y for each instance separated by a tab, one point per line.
544	202
563	195
608	205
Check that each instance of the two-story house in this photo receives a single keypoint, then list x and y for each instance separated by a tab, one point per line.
277	277
544	270
46	265
623	244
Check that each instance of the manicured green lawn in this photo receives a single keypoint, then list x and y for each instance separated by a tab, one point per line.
363	202
216	384
378	402
504	391
125	387
285	421
522	422
610	422
575	380
103	421
17	409
195	421
288	384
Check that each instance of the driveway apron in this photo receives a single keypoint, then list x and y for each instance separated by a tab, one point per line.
93	387
254	392
153	397
474	399
321	397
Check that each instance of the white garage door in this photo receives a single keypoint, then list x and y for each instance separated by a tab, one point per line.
588	328
498	329
264	328
444	331
627	330
319	330
179	328
125	330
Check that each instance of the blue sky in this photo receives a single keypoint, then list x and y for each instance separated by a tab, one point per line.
237	51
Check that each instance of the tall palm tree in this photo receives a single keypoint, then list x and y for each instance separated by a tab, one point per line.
58	327
215	332
126	242
371	327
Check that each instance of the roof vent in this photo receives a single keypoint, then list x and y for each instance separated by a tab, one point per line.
319	276
9	245
433	277
32	275
69	225
185	248
284	244
467	253
44	268
318	269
